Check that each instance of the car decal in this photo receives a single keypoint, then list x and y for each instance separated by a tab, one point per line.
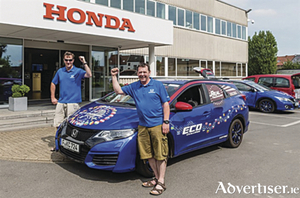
93	115
192	128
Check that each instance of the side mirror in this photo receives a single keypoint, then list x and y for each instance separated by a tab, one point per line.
183	106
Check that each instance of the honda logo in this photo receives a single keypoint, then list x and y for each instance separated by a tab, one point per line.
74	133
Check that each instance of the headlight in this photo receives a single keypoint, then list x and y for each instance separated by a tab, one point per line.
283	99
110	135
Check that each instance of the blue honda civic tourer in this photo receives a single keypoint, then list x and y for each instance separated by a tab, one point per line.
103	133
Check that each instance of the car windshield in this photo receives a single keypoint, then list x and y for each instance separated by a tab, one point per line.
127	100
259	86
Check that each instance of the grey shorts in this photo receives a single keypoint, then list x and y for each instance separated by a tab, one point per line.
64	110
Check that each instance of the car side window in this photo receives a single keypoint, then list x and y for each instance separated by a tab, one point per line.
267	81
215	92
242	87
281	82
193	96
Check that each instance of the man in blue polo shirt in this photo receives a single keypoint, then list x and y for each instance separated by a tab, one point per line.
69	80
151	99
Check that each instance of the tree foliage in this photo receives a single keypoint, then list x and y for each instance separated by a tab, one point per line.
262	53
291	65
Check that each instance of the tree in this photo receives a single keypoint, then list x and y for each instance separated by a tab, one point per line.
262	53
291	65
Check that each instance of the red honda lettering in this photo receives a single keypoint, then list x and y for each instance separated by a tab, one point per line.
127	24
71	13
92	16
60	12
109	18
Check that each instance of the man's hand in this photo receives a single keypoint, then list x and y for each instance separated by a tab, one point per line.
165	128
54	101
114	71
82	59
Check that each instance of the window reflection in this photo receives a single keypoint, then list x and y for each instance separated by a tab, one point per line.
217	26
150	8
203	23
115	3
210	24
140	6
172	14
189	19
128	5
160	66
180	18
10	66
102	2
228	69
171	67
160	10
185	67
196	21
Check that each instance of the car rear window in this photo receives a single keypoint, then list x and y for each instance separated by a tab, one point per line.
252	79
282	82
296	81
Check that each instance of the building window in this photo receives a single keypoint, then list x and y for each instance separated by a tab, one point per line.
189	19
203	64
244	33
228	28
180	17
210	65
140	6
223	27
244	69
217	69
160	10
171	67
115	4
172	14
233	30
11	61
185	67
151	8
128	5
228	69
217	26
210	27
102	2
239	30
196	21
203	22
160	66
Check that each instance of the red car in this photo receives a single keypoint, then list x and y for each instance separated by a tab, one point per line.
289	84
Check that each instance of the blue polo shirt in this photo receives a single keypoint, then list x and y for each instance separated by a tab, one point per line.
69	84
148	100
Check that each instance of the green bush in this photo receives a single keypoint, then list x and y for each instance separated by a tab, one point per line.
19	90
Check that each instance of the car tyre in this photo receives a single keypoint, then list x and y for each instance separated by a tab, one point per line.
266	106
235	134
143	167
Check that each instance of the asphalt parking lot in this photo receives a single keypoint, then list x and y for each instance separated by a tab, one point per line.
265	165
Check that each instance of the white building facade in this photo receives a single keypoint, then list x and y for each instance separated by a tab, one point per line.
173	36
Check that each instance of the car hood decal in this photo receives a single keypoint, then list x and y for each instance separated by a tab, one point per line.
100	116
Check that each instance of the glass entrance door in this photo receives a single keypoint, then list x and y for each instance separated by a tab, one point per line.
39	68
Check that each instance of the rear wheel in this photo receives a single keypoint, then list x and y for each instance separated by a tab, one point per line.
266	106
235	134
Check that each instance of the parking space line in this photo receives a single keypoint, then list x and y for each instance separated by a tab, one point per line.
285	125
271	115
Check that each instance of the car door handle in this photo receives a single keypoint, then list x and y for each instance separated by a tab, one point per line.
206	113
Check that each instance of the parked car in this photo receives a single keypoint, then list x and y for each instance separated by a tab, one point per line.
103	134
265	99
289	84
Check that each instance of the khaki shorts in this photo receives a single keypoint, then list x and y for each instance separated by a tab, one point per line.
152	143
63	111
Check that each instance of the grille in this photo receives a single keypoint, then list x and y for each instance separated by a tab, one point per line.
79	157
105	160
83	134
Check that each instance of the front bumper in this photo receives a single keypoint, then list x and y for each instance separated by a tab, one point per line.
116	156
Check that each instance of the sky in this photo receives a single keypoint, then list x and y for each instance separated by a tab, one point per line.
281	17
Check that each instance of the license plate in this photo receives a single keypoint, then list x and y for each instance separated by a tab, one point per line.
69	145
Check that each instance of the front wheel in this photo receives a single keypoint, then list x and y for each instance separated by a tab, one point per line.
143	167
235	134
266	106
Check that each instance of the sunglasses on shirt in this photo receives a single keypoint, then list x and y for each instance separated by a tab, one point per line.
68	60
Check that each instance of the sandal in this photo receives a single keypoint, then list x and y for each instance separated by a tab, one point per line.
149	184
159	191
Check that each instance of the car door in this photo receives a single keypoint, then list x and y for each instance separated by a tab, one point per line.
249	91
188	127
